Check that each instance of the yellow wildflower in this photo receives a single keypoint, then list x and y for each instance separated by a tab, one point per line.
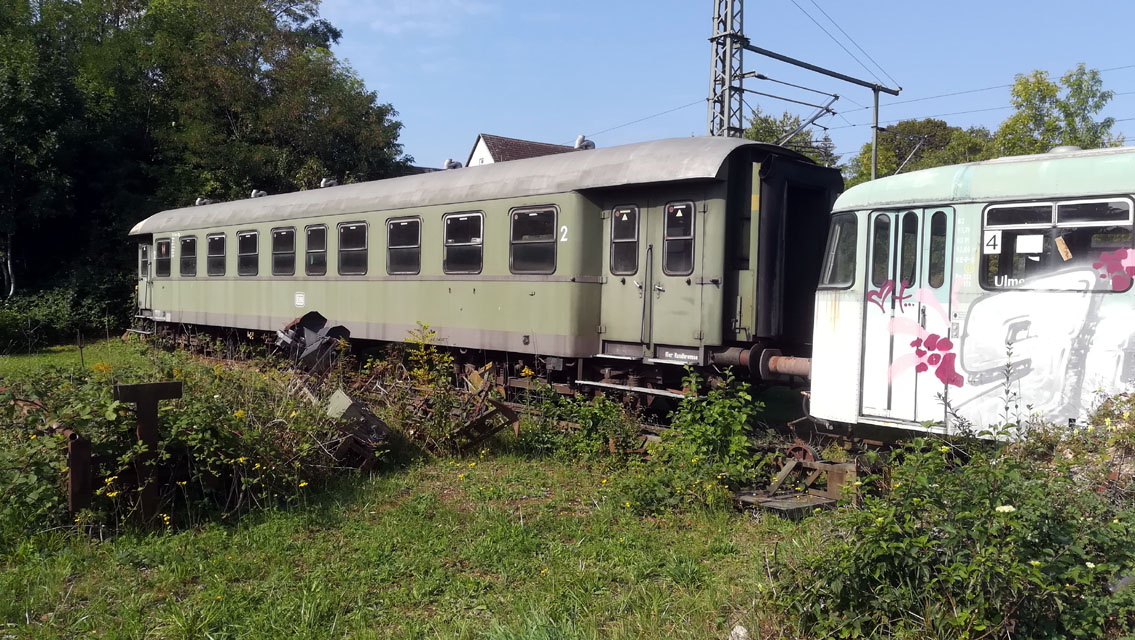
238	414
111	494
303	484
472	464
240	459
32	437
543	571
256	466
604	481
461	476
527	373
182	483
628	504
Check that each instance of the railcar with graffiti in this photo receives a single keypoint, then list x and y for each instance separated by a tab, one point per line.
986	293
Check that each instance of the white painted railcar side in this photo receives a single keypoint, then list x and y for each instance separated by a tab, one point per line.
988	292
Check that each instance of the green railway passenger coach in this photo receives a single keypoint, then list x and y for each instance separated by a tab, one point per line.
602	265
982	294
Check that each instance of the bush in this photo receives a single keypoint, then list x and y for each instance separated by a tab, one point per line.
235	441
54	316
578	427
709	450
997	546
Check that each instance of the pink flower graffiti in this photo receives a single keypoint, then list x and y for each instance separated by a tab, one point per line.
928	349
1119	265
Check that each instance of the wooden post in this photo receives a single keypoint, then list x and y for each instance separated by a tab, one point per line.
146	396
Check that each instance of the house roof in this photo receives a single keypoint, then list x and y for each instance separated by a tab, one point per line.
1045	175
503	149
640	163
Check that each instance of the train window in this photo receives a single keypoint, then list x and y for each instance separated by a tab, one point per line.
533	246
215	254
678	239
936	272
404	246
316	251
187	257
284	252
162	258
839	259
624	240
1082	245
352	249
909	271
881	250
1015	215
247	253
144	260
462	242
1093	212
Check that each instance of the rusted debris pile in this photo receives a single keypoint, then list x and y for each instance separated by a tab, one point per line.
310	343
805	483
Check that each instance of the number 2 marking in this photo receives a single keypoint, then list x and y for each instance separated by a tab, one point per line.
563	233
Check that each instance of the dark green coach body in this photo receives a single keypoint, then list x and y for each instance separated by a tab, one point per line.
667	250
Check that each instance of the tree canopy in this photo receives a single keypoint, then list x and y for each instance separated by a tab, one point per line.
111	110
769	128
1045	114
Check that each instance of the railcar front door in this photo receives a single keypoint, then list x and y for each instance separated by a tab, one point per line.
908	358
672	256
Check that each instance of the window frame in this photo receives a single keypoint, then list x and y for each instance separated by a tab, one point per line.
390	222
666	238
635	240
512	242
365	249
256	235
181	271
1049	232
158	259
307	250
223	255
829	252
275	253
445	245
930	251
872	236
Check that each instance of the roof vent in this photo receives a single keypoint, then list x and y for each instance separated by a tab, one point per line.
202	201
258	194
1065	148
328	182
583	143
450	163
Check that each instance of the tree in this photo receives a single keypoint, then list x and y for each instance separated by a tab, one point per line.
910	145
1048	114
771	129
113	109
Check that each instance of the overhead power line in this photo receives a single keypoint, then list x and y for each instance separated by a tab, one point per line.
660	113
852	40
845	49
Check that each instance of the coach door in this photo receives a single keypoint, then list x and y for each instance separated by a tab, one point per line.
675	302
145	285
908	351
650	306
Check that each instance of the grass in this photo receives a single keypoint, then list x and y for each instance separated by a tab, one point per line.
113	352
496	548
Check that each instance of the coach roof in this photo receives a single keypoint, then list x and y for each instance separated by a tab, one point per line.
1058	174
640	163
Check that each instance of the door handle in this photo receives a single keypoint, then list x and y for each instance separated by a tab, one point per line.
922	317
637	283
659	288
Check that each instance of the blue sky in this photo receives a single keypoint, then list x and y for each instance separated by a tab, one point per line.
550	71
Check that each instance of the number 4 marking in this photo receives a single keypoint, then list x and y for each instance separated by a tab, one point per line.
992	242
563	233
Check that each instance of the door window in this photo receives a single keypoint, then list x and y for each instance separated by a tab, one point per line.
144	260
839	259
678	239
162	258
880	250
624	240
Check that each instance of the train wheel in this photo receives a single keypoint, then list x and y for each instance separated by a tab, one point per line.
801	450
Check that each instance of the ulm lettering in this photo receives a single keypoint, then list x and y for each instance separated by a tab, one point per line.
1006	281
